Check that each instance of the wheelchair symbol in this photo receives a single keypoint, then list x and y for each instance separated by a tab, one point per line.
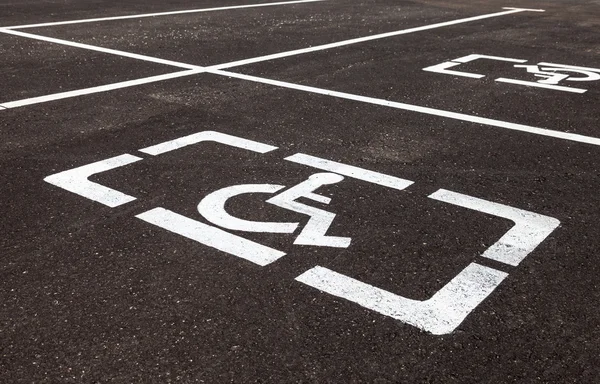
442	313
212	208
550	74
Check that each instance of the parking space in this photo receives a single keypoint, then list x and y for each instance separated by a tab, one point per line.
497	78
221	36
35	12
314	214
32	69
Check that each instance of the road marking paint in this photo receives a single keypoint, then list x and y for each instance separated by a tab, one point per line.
199	69
370	100
211	236
76	180
314	232
415	108
101	88
526	9
212	208
441	314
551	74
169	13
199	137
540	85
475	56
543	63
350	171
100	49
529	231
362	39
443	67
316	197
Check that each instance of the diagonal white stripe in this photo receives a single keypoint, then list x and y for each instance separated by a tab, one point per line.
199	69
416	108
362	39
50	24
100	49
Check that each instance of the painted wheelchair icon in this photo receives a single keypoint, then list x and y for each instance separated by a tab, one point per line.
549	75
440	314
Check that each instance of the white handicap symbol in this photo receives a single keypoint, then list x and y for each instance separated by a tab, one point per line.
212	208
442	313
552	75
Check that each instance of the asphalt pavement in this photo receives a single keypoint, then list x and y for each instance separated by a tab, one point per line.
281	193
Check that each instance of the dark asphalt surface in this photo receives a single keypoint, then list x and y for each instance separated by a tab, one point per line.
90	293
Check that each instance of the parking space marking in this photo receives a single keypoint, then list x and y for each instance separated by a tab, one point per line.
212	208
100	49
351	171
364	39
139	16
540	85
442	313
101	88
200	69
529	231
415	108
211	236
443	67
76	180
315	230
439	315
216	69
550	74
199	137
543	63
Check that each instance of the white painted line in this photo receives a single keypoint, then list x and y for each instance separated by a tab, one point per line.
526	9
159	14
76	181
350	171
211	236
415	108
199	137
529	231
569	66
473	57
453	115
441	314
443	68
101	88
224	65
318	198
362	39
100	49
540	85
